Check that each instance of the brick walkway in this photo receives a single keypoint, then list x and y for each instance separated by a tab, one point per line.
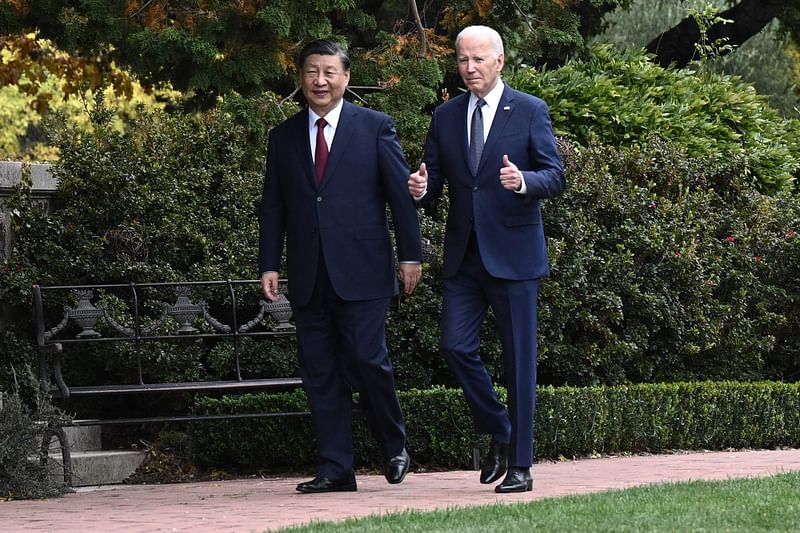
268	504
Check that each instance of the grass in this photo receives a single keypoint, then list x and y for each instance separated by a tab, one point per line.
751	505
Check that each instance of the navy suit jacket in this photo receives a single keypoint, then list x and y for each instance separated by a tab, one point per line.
508	225
345	218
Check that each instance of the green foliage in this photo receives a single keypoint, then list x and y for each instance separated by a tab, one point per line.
18	355
408	86
287	439
534	32
765	59
570	422
655	418
205	50
172	198
257	116
22	430
623	99
665	268
211	49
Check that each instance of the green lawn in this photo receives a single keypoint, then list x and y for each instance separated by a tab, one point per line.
762	504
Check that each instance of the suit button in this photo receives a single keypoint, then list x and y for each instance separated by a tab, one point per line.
313	230
319	198
474	188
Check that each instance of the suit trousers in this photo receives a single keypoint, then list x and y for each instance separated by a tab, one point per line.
341	348
467	296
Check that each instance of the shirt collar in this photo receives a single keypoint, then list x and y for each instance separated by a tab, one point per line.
492	99
332	118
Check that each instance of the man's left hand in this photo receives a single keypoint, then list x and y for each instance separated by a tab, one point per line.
510	175
410	273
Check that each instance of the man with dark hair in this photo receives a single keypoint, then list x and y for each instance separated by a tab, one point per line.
495	148
331	171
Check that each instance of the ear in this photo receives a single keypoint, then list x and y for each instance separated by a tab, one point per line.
346	77
500	62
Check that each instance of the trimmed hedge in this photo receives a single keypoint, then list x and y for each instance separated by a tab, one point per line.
570	422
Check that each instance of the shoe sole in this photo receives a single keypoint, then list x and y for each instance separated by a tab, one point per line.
527	488
343	488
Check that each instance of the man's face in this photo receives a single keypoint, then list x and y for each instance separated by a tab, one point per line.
478	64
323	80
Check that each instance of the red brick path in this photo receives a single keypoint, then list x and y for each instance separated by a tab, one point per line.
267	504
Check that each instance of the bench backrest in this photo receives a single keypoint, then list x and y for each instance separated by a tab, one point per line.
70	315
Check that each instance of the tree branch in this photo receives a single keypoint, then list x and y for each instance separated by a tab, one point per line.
423	38
676	45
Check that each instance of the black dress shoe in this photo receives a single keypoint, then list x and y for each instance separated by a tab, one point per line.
323	484
517	480
495	463
397	467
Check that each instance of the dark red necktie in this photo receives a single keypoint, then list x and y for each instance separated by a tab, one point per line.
321	150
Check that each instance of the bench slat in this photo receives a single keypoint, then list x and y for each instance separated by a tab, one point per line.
200	386
183	418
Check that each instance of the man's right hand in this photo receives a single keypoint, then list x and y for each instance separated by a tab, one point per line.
418	182
269	286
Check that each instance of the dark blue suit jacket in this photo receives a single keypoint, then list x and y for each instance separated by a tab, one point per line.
345	218
508	225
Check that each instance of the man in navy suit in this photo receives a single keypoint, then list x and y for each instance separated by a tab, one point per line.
331	171
495	148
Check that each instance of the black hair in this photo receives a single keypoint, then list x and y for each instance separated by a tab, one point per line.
324	47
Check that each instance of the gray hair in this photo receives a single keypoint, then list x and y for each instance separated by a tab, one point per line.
482	31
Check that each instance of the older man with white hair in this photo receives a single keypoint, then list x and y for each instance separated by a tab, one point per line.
495	148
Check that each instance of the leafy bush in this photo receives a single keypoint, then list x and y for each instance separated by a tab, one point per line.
22	430
667	268
570	422
172	198
765	59
622	99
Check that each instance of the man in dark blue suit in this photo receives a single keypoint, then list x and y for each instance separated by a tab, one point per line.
331	171
495	148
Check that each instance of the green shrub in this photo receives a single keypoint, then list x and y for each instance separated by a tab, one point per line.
622	99
570	422
764	59
22	429
667	268
175	196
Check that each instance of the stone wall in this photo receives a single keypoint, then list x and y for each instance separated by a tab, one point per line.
43	187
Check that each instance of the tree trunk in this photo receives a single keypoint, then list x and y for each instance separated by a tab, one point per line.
676	46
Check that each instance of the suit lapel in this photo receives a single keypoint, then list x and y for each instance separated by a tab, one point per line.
303	146
460	122
501	116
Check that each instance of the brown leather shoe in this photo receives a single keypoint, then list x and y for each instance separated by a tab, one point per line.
495	463
323	484
517	480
